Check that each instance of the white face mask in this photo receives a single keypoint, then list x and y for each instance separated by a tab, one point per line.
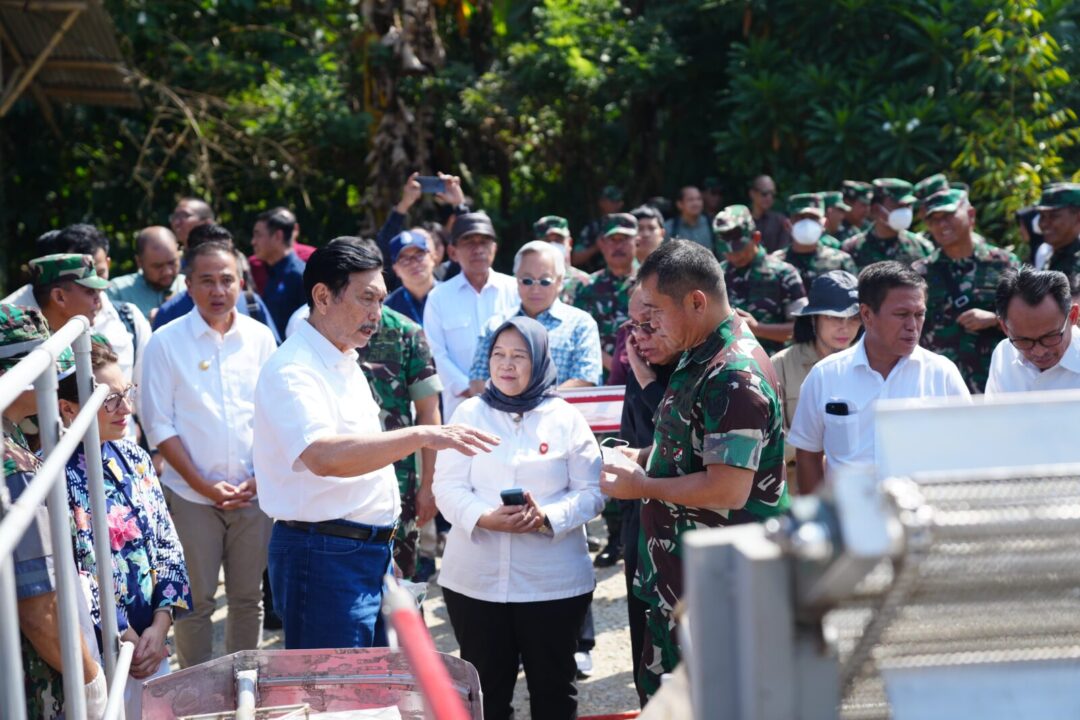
900	218
1035	226
806	231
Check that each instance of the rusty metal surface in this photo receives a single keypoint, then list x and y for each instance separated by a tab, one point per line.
327	680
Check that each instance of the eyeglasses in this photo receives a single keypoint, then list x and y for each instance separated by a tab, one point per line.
543	282
411	258
1048	340
113	400
643	328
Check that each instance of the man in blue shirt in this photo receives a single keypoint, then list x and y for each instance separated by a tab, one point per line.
272	240
410	256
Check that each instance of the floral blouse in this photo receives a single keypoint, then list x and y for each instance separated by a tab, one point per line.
148	563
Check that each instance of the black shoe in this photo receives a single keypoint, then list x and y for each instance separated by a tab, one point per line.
425	568
610	555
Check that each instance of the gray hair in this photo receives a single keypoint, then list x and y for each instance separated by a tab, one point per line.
542	247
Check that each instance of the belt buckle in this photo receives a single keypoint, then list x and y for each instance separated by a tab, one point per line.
961	302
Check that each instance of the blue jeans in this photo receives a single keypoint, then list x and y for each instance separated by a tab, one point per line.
328	589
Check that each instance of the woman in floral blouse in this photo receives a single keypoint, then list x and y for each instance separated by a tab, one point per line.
149	574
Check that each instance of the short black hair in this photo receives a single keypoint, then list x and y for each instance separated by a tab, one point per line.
279	218
333	264
205	233
205	248
1032	286
804	330
46	243
682	266
682	192
875	282
641	212
80	238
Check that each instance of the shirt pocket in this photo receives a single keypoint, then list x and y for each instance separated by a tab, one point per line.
841	436
460	335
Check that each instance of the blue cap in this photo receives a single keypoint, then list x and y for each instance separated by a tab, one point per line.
404	240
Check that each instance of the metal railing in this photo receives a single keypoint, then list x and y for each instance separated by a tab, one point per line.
50	485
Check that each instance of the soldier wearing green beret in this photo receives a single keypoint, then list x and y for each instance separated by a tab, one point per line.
1059	219
961	275
889	238
857	196
764	291
809	253
556	230
21	330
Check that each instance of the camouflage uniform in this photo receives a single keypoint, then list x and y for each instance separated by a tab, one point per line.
722	406
574	280
767	288
819	262
867	248
852	191
398	365
607	298
1066	260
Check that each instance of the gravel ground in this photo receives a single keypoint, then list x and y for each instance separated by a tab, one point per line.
609	690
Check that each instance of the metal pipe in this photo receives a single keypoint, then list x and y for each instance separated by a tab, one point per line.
98	514
23	512
246	683
15	381
68	590
114	706
13	702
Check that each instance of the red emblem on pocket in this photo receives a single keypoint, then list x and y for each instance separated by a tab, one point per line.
543	448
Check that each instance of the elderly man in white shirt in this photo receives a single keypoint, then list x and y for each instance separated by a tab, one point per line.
325	465
1042	348
198	405
458	309
834	420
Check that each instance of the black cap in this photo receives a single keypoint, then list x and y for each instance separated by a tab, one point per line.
474	223
835	293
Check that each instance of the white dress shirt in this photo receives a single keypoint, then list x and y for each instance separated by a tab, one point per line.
550	452
454	317
847	376
1010	372
307	391
108	324
200	386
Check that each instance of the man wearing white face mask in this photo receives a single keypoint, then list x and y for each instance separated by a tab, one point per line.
808	252
889	238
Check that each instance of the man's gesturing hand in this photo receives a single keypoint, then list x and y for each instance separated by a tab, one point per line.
464	439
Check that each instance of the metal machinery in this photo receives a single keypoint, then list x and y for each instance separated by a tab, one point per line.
942	582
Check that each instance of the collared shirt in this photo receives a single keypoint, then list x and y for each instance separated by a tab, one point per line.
548	451
454	316
134	289
792	365
573	338
179	305
128	349
200	387
1010	372
701	232
846	376
404	302
310	390
284	289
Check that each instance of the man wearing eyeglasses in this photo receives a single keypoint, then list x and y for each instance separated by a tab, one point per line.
1042	350
188	214
411	259
775	229
573	335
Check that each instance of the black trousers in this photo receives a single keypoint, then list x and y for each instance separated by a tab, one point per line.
635	607
492	636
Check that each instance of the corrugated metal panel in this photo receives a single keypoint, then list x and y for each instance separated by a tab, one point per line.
92	38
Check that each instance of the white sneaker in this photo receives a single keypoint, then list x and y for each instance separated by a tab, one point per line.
584	664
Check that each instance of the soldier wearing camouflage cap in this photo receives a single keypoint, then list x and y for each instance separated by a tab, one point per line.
66	285
812	252
889	239
836	209
586	254
556	230
928	186
22	329
763	290
857	196
606	294
962	276
1059	219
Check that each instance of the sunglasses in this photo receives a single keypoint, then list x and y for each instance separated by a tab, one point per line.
643	328
542	282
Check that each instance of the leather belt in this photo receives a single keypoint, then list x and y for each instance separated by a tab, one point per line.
353	532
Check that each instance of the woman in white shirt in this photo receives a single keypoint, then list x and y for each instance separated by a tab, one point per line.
517	579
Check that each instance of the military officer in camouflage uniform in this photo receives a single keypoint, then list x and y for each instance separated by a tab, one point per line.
606	295
556	230
925	188
857	196
835	212
399	368
889	238
1059	219
717	457
21	329
961	278
808	252
764	291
